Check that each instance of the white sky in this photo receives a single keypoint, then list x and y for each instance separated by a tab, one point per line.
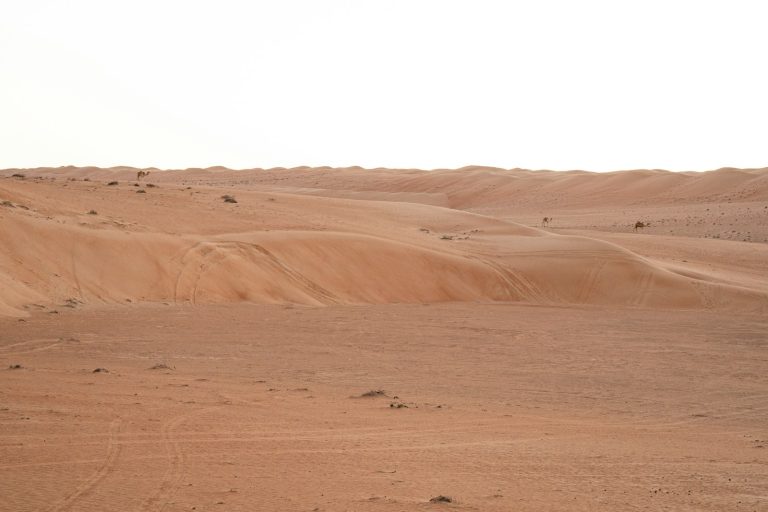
598	85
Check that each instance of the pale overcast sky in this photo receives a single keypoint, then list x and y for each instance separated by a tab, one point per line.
598	85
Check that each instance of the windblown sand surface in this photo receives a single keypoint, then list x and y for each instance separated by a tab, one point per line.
578	366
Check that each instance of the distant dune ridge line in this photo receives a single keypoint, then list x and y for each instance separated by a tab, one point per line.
324	236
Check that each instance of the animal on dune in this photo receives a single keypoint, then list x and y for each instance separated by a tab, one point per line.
141	174
640	224
545	221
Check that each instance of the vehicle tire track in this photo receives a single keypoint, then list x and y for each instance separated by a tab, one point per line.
644	288
191	271
113	452
586	289
204	255
176	458
25	347
311	287
182	272
520	287
173	474
74	272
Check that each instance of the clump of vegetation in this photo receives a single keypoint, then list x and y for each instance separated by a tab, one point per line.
150	185
8	204
373	393
72	302
398	405
162	366
18	175
15	367
86	179
441	499
141	191
92	212
100	370
228	198
112	183
446	237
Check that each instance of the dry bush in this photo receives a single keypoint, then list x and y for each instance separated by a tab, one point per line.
162	366
373	393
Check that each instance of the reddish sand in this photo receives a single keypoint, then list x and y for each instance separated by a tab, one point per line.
577	366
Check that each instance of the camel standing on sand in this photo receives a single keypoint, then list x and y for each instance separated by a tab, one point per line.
641	225
141	174
545	221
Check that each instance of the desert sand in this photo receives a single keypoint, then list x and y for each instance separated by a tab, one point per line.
370	339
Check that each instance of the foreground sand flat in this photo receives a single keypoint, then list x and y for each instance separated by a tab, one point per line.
577	366
509	407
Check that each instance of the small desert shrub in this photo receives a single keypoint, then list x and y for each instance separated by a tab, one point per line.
162	366
7	203
373	393
150	185
441	499
228	198
92	212
112	183
86	179
141	191
18	175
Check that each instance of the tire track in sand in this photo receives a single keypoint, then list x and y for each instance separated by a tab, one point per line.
176	459
586	289
106	468
518	286
644	288
204	255
25	347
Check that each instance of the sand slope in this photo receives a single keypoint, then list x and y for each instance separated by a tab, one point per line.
176	243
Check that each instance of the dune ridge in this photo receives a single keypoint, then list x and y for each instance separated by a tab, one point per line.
181	243
466	187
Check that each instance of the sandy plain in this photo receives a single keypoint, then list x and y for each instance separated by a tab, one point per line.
577	366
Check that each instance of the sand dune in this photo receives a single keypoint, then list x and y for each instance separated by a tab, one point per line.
162	349
177	243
